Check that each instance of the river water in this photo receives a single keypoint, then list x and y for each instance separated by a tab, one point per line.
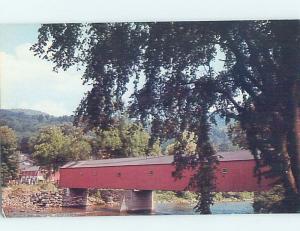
244	207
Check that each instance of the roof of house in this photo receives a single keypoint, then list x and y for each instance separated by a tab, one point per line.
31	169
153	160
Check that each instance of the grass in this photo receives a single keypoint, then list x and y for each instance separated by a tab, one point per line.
191	198
43	186
269	202
173	197
233	196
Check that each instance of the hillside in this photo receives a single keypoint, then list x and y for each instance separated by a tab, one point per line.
26	122
26	111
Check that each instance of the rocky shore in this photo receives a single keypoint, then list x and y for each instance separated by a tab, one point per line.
35	198
47	199
29	198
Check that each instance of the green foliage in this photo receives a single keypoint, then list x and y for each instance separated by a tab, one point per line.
54	146
26	123
124	140
48	186
270	202
238	136
20	189
190	146
175	197
233	196
189	196
218	138
181	86
165	196
9	155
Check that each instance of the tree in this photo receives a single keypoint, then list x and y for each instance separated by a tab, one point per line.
9	155
125	139
220	137
175	64
190	144
24	145
55	146
238	136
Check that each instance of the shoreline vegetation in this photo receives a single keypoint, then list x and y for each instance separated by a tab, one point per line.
191	198
46	197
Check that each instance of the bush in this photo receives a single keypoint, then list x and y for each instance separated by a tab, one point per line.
233	196
175	197
269	202
48	186
190	196
165	196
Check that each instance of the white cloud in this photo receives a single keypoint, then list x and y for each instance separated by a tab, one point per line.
29	82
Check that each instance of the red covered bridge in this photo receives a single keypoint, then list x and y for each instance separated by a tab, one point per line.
235	172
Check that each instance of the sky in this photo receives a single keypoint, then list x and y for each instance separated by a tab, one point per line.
29	82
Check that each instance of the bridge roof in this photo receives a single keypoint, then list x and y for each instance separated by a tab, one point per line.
153	160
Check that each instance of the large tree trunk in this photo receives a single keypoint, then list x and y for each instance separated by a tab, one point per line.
290	178
296	96
291	151
298	155
298	145
297	128
287	35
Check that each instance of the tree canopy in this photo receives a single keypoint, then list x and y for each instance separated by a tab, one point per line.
178	88
9	155
54	146
125	139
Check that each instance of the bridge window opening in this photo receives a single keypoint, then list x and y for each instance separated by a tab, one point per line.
224	170
119	174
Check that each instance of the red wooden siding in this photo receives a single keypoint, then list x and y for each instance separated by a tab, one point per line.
231	176
239	177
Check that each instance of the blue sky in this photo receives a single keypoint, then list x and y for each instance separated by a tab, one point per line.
12	35
28	82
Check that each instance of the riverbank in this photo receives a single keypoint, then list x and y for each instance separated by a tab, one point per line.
40	198
46	199
28	198
191	198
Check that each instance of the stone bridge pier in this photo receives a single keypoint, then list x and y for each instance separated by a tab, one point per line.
137	201
133	201
75	197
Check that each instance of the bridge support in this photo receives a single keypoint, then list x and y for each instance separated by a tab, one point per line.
75	197
137	201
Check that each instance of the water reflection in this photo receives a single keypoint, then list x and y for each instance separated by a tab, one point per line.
244	207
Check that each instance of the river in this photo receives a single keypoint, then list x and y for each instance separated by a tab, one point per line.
244	207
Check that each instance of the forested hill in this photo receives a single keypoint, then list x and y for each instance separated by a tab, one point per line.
26	122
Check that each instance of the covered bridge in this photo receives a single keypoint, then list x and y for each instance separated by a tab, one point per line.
234	173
